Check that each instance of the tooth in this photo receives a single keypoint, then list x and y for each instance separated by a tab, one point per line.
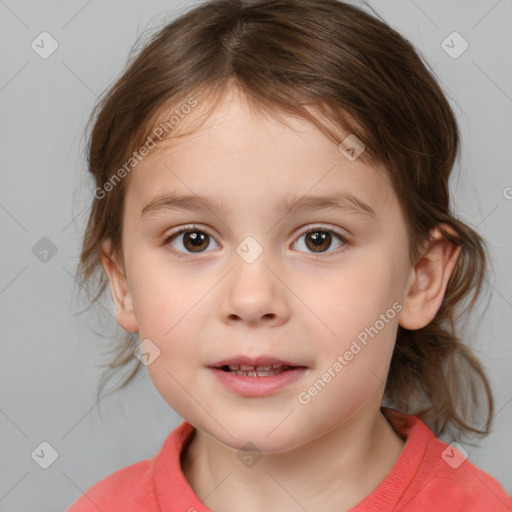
245	367
259	373
234	367
263	368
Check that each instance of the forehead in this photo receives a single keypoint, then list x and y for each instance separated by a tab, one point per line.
238	154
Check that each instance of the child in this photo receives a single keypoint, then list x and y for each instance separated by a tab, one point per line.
272	214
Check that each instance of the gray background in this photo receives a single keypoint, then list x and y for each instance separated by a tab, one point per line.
50	356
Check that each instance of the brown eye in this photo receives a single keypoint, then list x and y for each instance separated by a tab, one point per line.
189	240
194	241
320	240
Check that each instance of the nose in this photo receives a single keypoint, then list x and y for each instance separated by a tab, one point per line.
253	294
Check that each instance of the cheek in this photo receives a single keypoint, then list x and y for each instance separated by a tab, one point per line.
161	300
170	310
171	384
351	376
175	371
345	305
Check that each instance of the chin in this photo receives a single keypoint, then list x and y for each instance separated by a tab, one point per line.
262	434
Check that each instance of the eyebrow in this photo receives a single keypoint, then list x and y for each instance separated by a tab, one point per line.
342	201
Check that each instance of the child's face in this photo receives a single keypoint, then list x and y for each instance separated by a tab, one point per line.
289	302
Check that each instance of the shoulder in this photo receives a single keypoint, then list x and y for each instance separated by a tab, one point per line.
143	485
461	483
129	488
444	478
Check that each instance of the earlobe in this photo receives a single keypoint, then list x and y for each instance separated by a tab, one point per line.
428	281
119	289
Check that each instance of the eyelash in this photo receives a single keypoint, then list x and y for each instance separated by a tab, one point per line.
193	227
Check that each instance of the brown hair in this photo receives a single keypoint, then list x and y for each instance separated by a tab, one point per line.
319	60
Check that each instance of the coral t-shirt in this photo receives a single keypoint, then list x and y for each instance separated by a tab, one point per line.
429	476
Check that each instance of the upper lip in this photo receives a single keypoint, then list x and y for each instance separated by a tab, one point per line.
262	360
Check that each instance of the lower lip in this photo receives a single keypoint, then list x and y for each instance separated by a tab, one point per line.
257	386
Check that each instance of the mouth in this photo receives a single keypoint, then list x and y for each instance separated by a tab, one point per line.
257	371
261	366
257	376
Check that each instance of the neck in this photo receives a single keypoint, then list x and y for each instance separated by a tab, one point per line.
333	472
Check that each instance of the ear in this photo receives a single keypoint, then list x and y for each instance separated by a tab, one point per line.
428	280
119	288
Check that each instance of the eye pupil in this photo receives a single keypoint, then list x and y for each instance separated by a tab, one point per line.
195	237
197	241
318	238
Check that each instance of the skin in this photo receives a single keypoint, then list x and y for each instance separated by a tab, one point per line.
291	302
